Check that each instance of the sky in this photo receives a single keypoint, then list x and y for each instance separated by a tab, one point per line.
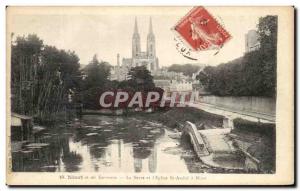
108	31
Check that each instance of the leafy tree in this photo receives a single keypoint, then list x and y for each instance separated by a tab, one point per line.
97	80
267	29
25	52
59	78
186	69
254	74
140	78
42	77
97	73
25	60
89	97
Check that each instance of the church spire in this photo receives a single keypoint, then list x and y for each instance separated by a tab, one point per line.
135	27
136	44
150	26
151	42
150	34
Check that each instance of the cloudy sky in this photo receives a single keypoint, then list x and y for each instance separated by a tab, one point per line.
108	31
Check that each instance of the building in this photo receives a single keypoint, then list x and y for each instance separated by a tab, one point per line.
163	73
252	41
174	85
138	58
163	84
183	86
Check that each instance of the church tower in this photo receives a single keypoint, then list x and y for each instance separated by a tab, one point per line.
142	58
153	61
136	42
150	42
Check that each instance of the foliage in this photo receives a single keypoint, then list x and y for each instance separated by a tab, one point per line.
254	74
140	78
59	77
97	80
241	125
186	69
89	97
42	77
265	148
97	73
25	49
267	29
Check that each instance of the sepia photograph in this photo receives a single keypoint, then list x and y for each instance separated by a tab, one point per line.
150	95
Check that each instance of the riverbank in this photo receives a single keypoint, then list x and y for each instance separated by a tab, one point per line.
176	118
55	118
239	149
258	140
222	153
254	140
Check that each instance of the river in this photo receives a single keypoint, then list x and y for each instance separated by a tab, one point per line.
109	144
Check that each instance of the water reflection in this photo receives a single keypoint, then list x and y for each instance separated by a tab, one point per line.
108	144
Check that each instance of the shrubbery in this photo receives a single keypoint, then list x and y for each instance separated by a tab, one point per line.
254	74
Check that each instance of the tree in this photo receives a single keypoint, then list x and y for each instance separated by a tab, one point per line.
96	81
140	78
59	78
25	60
267	29
97	73
186	69
42	77
254	74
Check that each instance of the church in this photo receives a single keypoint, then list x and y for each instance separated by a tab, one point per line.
139	58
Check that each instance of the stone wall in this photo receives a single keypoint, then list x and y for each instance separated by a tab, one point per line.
246	103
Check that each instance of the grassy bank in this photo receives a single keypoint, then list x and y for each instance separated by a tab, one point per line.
263	137
61	117
244	126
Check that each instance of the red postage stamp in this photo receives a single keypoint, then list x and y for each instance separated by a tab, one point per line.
201	31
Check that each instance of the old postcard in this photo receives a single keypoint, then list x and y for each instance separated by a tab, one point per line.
150	95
